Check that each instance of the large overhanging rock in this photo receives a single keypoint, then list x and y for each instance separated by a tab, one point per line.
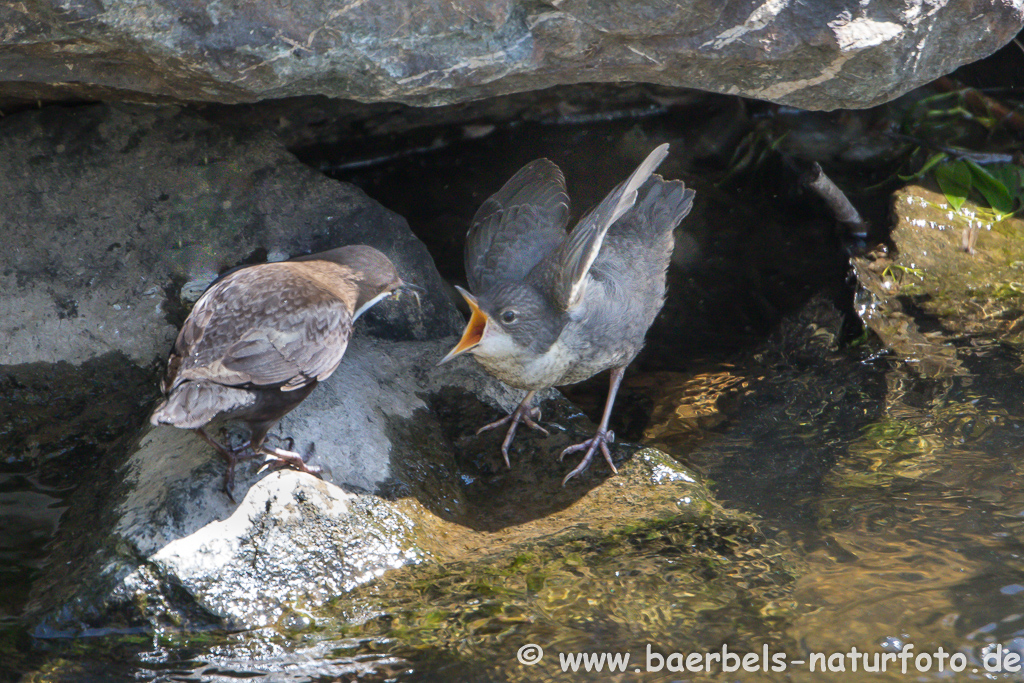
820	55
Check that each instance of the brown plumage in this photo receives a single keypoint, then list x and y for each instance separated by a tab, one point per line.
261	337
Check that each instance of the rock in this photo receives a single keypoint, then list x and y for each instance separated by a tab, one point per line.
115	213
160	543
975	295
808	55
62	415
659	582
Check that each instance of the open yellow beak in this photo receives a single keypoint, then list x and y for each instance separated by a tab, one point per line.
474	329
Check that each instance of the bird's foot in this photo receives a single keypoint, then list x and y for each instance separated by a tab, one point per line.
601	439
277	458
523	413
232	456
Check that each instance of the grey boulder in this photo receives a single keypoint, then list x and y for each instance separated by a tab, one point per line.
161	545
117	216
821	55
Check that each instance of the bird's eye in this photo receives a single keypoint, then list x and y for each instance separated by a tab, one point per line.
508	316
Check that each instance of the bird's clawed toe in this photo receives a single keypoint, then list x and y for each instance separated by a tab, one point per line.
277	458
600	440
232	456
523	413
528	415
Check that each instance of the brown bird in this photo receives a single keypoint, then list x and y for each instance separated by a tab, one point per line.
261	337
553	308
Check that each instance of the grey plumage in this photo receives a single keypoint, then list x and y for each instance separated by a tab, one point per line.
552	308
517	227
261	337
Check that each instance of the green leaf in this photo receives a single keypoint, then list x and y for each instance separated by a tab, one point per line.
955	181
932	160
995	192
1011	176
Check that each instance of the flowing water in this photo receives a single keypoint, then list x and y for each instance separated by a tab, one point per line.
883	506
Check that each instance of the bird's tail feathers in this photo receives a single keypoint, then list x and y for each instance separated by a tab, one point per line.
665	203
194	403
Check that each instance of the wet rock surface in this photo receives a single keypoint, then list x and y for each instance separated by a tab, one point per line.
404	482
581	590
814	56
928	293
60	415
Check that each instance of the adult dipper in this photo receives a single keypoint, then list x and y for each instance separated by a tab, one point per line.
551	308
261	337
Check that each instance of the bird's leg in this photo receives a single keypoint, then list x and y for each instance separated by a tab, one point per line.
522	413
232	456
603	437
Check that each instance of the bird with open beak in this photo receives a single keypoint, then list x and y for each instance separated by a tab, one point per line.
260	339
550	308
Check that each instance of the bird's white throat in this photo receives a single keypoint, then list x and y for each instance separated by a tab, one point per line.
369	304
516	365
496	343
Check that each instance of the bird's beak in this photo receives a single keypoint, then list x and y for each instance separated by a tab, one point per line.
474	329
415	289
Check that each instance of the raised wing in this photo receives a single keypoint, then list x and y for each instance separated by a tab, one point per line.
264	326
517	226
566	270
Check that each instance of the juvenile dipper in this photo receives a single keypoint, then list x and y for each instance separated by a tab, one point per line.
261	337
552	308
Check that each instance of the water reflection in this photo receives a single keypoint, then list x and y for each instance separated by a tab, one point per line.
911	531
30	512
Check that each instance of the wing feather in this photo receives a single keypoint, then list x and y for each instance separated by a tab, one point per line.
517	226
566	268
264	327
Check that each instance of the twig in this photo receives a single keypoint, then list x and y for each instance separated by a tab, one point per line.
846	214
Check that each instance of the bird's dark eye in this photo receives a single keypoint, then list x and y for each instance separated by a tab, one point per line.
508	316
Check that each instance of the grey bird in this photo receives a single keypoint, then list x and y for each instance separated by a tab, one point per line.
551	308
260	339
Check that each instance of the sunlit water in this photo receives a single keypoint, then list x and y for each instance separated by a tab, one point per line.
885	508
899	495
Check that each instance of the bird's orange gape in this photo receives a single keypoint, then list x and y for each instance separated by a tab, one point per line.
474	331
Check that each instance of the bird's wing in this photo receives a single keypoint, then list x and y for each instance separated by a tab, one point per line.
565	270
517	226
264	327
